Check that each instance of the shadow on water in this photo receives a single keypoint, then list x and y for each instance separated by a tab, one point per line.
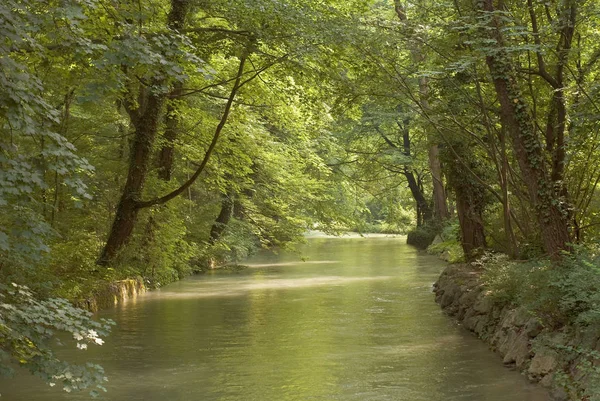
356	321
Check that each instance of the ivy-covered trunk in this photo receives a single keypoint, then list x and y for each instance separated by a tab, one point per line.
465	174
545	194
469	207
440	203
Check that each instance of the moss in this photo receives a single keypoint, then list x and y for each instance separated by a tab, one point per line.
421	237
108	294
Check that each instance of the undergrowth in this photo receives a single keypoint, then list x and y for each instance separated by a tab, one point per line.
565	297
559	293
448	245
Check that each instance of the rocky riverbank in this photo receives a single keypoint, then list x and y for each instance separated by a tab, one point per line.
111	294
561	359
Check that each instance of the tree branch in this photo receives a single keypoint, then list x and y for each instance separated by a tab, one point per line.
211	147
536	38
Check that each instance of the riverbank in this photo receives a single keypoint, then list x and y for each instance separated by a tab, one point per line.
562	359
112	293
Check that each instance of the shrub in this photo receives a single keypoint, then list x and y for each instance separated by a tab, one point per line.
448	245
422	237
565	293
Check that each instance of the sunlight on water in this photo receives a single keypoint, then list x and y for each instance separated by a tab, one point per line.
358	323
307	262
237	288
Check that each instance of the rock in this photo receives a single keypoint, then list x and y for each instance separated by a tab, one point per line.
533	327
518	317
506	342
521	317
450	295
559	394
112	293
507	319
511	331
437	240
471	322
497	312
543	363
547	380
481	326
465	303
484	305
518	352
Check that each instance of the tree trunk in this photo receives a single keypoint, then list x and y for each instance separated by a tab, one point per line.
220	224
513	245
440	204
424	212
166	156
145	119
146	126
422	205
175	21
518	123
471	225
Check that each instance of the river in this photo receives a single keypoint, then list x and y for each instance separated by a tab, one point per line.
348	319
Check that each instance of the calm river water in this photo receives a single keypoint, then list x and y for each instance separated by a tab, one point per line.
348	319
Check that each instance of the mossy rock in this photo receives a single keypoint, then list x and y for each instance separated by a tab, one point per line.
421	238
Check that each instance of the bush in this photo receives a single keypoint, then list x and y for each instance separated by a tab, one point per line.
422	237
159	250
565	293
378	227
449	247
73	264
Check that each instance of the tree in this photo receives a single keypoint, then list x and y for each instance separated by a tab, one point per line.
545	187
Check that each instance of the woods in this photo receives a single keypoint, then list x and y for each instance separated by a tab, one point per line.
160	139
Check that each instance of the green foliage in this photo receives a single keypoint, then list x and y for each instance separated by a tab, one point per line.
422	237
31	143
332	128
238	242
159	252
448	247
29	331
558	294
73	265
578	372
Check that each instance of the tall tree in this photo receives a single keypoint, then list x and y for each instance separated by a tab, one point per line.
418	55
542	178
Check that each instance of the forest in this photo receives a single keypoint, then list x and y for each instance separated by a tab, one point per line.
157	139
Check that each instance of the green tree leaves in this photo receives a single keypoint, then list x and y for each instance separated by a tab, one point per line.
28	336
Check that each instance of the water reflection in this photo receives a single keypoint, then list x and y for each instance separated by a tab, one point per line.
239	287
360	327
